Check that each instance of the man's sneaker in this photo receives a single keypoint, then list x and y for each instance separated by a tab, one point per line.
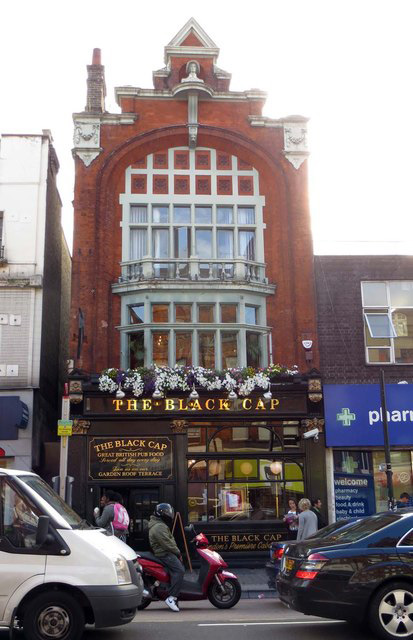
171	603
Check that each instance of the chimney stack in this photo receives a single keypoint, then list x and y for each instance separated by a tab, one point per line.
96	87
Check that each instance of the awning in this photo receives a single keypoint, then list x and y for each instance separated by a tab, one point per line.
14	414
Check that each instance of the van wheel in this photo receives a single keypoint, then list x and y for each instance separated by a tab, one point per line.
53	616
391	611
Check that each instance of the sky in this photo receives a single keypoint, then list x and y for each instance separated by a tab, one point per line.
345	65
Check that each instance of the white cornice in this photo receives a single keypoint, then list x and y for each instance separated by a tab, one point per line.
236	96
263	121
106	118
192	25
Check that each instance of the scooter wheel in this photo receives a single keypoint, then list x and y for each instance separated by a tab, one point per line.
229	598
145	603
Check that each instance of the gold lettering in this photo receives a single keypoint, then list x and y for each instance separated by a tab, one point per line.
274	403
207	403
260	405
147	404
118	404
244	404
196	406
132	404
169	404
224	405
182	407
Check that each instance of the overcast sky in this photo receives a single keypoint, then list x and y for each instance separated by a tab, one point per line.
345	65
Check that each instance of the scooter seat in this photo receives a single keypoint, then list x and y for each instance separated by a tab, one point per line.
147	555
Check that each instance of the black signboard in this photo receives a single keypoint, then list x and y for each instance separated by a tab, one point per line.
123	458
244	540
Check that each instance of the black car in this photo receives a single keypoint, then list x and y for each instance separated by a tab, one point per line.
277	548
362	573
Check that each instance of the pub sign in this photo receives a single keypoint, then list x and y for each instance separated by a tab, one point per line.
126	458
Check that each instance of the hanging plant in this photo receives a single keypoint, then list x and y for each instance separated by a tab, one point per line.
145	381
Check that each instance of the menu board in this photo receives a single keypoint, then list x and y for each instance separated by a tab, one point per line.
125	458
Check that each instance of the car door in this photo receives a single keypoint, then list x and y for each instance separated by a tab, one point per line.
19	559
405	549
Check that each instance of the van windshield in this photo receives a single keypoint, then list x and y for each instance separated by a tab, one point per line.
44	491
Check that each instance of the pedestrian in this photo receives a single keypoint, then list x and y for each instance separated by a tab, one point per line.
165	548
405	501
108	501
316	508
307	520
121	518
291	519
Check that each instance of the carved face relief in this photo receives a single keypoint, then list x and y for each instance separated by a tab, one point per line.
86	135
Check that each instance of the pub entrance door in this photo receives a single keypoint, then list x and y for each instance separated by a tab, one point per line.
142	502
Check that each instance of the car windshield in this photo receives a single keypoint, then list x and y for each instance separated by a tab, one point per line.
46	493
362	528
330	528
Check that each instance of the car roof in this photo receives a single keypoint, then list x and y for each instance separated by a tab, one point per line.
16	472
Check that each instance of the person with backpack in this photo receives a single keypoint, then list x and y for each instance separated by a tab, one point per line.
114	517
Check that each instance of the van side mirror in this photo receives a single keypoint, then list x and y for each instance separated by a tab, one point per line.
42	530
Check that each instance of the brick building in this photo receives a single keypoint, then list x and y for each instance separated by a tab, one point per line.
193	247
365	324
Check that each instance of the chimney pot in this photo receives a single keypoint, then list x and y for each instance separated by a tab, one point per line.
96	56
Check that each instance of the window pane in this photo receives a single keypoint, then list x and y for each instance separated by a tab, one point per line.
138	244
374	294
378	355
182	214
225	215
375	342
206	341
136	314
183	313
160	214
197	502
220	469
206	312
247	245
197	437
18	518
250	314
248	500
229	349
160	313
403	344
160	243
225	243
203	215
182	242
136	350
138	214
203	243
352	462
228	312
253	349
183	348
160	343
379	325
248	439
402	476
197	471
246	215
401	294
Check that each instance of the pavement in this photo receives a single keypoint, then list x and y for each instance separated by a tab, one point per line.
254	583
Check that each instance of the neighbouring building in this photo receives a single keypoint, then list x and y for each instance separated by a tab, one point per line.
365	324
192	248
35	269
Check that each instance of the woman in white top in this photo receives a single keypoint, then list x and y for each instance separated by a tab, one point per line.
291	519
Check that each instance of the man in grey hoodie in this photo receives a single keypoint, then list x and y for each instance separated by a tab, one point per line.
165	548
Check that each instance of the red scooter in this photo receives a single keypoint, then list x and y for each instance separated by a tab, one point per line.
221	587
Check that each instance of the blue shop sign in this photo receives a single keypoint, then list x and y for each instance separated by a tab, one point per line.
354	495
353	414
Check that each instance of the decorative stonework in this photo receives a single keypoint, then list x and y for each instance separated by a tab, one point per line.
314	384
86	140
313	423
80	427
295	143
179	426
315	397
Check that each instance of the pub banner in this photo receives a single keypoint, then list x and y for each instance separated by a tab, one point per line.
126	458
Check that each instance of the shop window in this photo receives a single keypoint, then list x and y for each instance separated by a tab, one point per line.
160	347
183	312
349	462
160	313
197	471
253	438
402	476
136	314
136	350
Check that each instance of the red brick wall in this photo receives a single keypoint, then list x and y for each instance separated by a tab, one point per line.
97	240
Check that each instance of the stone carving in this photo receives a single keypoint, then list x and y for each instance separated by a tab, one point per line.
80	427
313	423
315	397
295	143
86	139
179	426
314	384
192	69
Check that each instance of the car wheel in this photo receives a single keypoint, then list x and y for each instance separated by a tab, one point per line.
391	611
53	616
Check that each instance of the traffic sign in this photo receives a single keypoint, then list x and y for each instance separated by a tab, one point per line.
64	427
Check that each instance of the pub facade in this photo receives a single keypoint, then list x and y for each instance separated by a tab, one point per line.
192	275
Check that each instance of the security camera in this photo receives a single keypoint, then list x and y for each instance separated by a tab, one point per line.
313	433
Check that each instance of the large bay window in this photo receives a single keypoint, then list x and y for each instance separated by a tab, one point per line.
388	321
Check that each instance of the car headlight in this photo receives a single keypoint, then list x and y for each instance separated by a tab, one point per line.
122	570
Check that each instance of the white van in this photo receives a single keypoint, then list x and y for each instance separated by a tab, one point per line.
57	572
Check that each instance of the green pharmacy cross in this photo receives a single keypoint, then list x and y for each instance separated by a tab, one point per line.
346	417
